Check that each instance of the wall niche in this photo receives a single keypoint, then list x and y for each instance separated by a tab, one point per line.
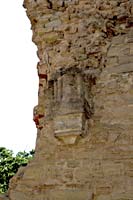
70	103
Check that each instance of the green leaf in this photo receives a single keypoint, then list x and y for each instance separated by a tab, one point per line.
9	165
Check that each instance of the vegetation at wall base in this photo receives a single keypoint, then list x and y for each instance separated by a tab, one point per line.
9	164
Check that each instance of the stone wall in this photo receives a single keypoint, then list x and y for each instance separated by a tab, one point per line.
84	115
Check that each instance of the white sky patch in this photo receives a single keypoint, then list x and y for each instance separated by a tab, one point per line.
18	78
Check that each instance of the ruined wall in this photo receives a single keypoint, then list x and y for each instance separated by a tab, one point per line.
84	114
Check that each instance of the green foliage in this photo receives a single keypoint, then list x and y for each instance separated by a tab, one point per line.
9	165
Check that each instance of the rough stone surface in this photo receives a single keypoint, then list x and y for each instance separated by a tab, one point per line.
4	197
84	116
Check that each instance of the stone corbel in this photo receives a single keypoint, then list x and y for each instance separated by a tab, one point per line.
71	107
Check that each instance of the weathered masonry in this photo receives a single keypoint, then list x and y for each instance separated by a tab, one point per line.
84	116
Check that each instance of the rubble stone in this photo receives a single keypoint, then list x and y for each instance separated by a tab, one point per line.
84	118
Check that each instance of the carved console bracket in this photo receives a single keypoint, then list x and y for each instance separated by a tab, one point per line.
71	105
69	127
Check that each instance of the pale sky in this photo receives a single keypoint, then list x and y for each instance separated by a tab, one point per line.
18	78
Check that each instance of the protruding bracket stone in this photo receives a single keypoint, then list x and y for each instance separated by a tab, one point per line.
68	138
71	104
